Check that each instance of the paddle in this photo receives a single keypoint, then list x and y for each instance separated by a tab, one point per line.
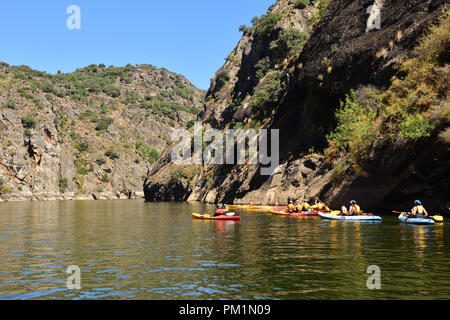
437	218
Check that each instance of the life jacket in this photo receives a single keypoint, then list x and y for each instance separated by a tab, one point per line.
290	206
320	205
419	209
305	206
357	208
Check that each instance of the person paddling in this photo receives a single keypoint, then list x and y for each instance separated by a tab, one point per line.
304	205
290	207
354	209
418	209
319	205
220	210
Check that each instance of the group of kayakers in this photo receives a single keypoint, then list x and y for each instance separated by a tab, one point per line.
304	206
354	209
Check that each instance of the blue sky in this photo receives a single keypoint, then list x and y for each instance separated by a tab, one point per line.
188	37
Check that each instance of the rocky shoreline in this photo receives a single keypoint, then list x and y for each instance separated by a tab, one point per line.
71	196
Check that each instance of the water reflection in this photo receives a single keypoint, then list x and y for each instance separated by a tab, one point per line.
136	250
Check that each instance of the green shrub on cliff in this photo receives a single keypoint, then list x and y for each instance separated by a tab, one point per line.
131	97
63	184
267	22
4	189
28	122
221	78
100	161
262	67
301	4
355	131
415	126
435	46
322	6
10	104
176	174
105	178
268	94
147	152
112	154
187	172
103	123
82	146
288	41
111	90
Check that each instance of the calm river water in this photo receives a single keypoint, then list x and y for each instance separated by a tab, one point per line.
129	249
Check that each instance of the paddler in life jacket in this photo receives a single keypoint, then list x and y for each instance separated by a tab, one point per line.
290	207
354	209
418	209
304	205
319	205
220	210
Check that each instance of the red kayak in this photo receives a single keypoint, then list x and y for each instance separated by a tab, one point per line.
294	214
316	211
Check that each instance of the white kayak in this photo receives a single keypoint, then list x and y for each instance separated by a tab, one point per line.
363	217
418	220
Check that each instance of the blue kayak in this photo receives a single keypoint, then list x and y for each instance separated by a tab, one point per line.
334	216
403	218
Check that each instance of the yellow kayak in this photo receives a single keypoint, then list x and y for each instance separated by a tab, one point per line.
236	206
281	213
260	207
210	217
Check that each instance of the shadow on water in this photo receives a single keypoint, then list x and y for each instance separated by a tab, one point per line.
129	249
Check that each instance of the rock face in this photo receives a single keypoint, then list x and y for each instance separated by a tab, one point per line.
91	134
339	54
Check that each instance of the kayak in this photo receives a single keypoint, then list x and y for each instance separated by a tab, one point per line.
316	211
279	208
403	218
209	217
334	216
294	214
255	207
259	207
236	206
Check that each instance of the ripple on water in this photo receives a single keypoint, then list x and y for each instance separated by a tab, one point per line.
163	255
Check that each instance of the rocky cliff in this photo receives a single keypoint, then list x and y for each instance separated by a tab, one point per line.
303	68
88	134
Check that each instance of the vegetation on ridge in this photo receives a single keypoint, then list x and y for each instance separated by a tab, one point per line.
415	103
